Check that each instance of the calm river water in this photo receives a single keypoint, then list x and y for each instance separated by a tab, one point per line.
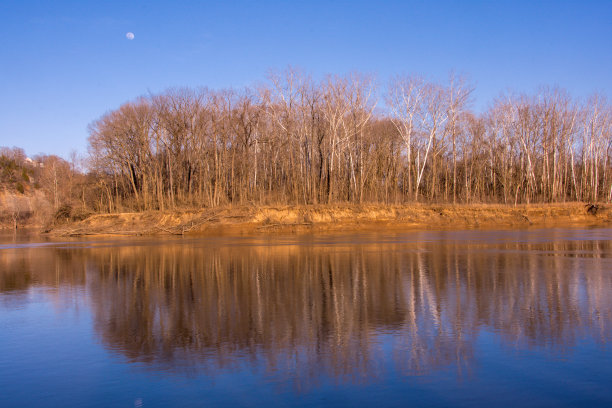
447	318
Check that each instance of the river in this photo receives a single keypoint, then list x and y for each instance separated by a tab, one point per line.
421	318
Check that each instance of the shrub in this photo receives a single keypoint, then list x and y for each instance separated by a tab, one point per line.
63	213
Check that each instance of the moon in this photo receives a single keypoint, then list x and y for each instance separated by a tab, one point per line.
130	36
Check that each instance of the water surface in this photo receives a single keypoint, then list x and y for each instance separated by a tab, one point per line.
449	318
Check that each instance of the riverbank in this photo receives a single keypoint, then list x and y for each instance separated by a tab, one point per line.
335	217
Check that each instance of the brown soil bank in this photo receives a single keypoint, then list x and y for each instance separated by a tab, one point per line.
336	217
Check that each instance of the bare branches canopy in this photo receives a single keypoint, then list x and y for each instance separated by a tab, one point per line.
344	138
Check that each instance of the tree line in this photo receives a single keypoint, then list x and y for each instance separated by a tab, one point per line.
341	139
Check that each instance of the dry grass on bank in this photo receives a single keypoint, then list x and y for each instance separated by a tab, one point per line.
336	217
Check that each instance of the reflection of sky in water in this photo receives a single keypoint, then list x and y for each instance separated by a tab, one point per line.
423	318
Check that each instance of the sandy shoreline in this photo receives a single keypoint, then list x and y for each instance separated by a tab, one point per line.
335	218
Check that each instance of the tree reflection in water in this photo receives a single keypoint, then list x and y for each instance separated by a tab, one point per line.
345	311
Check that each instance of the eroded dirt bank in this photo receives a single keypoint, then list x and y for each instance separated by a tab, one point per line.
335	217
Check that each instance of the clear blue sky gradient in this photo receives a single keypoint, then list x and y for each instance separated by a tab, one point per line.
64	63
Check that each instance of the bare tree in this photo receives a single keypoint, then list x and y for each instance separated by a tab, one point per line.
298	140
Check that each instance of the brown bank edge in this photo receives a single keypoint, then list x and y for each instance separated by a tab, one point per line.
304	218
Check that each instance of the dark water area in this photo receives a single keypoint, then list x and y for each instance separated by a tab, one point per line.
446	318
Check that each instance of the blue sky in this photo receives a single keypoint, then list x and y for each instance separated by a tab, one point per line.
64	63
